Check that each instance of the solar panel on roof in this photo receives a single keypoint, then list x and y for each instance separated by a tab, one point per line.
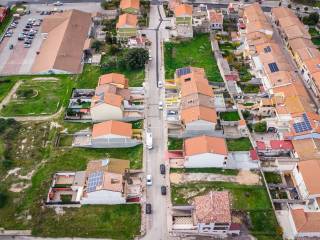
183	71
273	67
94	179
267	49
302	126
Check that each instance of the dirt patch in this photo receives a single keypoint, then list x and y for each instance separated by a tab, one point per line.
248	178
244	177
45	79
19	187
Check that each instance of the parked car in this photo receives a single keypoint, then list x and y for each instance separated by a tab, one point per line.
148	208
58	3
160	105
160	84
162	169
21	37
149	180
26	45
163	190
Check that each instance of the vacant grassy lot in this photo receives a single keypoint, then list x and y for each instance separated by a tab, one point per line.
89	77
5	86
205	170
175	144
229	116
116	222
240	144
46	97
252	200
250	88
273	177
33	149
196	52
135	77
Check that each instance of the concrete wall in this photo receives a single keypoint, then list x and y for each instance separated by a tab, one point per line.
200	125
205	160
103	197
300	183
105	112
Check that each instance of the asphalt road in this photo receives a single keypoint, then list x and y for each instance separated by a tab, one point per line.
156	223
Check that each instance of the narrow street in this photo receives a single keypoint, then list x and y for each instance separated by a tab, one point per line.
156	223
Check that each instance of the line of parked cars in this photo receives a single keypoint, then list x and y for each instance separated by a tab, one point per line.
29	32
12	26
163	188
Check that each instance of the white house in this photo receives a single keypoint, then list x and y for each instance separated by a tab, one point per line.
216	20
183	20
199	118
106	106
205	151
104	183
306	177
304	223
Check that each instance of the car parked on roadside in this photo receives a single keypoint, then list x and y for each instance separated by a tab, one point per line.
163	190
26	45
162	169
149	180
148	208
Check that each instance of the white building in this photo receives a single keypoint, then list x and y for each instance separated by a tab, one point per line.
205	151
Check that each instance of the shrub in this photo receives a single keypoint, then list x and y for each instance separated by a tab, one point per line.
260	127
66	198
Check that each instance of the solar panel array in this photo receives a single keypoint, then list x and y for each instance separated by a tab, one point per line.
94	180
273	67
267	49
302	126
183	71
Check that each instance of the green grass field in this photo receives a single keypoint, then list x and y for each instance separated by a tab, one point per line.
113	221
252	200
196	52
175	144
5	86
229	116
37	140
48	97
240	144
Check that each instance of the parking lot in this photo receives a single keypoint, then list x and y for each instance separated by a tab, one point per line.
16	57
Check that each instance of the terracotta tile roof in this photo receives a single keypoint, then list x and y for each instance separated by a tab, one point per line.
112	127
289	21
310	170
125	4
299	43
281	12
183	10
307	149
254	13
192	86
127	21
306	221
281	144
63	47
196	99
113	99
308	53
205	144
198	113
214	207
112	182
313	65
215	17
296	31
114	78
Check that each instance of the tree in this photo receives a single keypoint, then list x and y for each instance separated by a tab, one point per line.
306	9
312	19
3	199
297	9
289	6
136	58
260	127
96	45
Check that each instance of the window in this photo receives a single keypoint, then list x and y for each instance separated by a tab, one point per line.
267	49
273	67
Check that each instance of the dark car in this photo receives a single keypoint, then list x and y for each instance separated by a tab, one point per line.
148	208
162	169
163	190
